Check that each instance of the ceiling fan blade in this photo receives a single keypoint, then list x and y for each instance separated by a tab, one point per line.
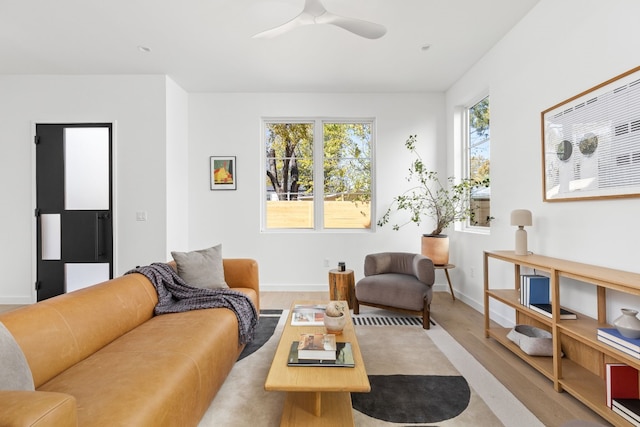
300	20
315	13
369	30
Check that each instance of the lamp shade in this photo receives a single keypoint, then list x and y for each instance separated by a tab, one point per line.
521	217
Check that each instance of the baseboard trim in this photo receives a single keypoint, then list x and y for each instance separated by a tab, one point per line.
476	305
291	287
15	300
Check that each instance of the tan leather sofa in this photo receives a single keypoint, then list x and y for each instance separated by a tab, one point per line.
99	357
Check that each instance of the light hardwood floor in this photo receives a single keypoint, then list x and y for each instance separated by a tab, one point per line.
466	325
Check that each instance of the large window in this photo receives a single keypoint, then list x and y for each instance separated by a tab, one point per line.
299	154
477	153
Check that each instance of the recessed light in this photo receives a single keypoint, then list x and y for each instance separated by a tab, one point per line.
144	49
425	47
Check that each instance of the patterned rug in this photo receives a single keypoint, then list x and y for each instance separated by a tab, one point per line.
361	320
418	378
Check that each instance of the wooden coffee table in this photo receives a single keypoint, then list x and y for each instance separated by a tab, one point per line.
316	396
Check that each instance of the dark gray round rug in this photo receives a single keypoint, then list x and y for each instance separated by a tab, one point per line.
413	398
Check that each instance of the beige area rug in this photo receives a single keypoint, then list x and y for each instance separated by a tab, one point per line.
398	351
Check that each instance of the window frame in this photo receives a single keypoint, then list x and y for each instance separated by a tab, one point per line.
465	142
318	175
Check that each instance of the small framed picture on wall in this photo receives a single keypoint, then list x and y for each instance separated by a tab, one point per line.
222	173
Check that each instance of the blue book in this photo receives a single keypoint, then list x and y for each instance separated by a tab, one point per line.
615	336
618	346
539	290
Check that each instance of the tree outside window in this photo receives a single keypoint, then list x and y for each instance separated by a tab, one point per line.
294	163
478	160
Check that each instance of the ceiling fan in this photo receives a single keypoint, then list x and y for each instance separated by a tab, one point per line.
315	13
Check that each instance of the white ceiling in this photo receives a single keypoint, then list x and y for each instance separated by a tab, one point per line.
206	45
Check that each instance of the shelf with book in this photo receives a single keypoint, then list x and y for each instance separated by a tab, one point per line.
585	330
511	298
629	409
611	337
618	355
577	365
623	391
546	310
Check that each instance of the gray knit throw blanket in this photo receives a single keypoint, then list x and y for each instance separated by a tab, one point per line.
175	296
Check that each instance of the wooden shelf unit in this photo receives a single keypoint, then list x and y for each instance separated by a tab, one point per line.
581	372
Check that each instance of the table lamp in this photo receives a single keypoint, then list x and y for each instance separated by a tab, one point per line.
521	218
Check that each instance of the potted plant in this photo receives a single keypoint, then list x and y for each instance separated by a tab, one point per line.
444	203
334	318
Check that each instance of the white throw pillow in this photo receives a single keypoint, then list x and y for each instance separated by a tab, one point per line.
15	373
201	269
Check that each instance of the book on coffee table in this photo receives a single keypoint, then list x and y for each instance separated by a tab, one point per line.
343	358
317	346
308	315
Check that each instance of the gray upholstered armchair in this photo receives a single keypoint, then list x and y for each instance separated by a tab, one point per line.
397	281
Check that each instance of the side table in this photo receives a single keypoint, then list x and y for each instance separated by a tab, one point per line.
342	286
446	268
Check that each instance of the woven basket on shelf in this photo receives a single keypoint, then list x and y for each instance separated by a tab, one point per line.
533	341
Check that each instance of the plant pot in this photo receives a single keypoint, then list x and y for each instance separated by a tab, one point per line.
436	247
335	325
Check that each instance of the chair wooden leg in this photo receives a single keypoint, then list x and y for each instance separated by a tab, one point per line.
356	306
426	317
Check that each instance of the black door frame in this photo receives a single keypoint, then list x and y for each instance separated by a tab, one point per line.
114	222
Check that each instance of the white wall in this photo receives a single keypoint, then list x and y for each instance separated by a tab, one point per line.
157	172
177	164
136	104
230	125
558	50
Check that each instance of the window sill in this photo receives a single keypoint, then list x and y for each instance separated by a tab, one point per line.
485	231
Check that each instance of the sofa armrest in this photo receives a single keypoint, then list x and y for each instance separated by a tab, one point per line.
239	273
37	408
242	273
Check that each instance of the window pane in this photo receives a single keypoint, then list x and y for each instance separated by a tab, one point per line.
347	175
78	276
479	161
289	168
342	163
86	168
51	243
